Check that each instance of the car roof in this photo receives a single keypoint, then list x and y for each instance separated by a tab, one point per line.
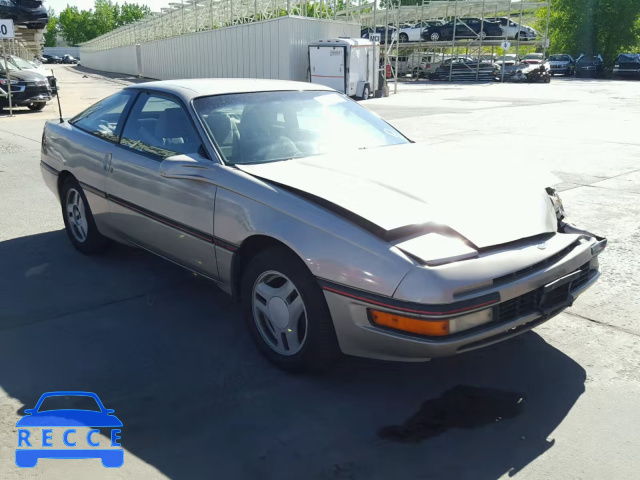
198	87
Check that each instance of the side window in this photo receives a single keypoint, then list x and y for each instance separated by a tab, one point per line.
104	119
159	126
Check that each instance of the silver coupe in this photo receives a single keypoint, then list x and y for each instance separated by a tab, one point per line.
336	232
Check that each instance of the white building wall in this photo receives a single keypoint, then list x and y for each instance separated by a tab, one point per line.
118	60
274	48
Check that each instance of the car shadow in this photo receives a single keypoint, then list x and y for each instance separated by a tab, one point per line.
169	352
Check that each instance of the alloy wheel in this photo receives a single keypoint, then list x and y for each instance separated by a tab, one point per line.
76	215
279	313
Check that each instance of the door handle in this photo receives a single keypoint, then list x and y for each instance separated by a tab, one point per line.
106	164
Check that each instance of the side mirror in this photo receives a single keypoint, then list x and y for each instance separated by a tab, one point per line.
54	82
109	411
29	411
191	167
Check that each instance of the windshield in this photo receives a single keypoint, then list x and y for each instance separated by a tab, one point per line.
533	56
270	126
20	63
10	66
589	60
559	58
629	57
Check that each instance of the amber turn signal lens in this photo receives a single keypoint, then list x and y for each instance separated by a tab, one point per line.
433	328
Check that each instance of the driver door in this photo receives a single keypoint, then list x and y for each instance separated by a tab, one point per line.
172	217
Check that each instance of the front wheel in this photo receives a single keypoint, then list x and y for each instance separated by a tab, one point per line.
404	38
36	107
78	219
434	36
286	312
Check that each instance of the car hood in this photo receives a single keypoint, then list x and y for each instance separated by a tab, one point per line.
399	191
24	75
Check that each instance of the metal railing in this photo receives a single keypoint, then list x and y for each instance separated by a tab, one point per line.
190	16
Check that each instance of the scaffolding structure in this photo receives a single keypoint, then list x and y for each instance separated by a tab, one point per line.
191	16
396	15
19	49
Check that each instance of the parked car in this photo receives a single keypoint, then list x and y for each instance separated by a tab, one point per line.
52	58
282	193
463	28
28	89
465	68
533	58
31	67
562	64
589	66
30	13
381	30
68	59
531	73
412	33
514	30
627	65
417	64
507	68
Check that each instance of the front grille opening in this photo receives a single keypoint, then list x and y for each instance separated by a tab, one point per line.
529	302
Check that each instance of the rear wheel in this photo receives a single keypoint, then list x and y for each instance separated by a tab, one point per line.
78	219
286	313
366	93
36	107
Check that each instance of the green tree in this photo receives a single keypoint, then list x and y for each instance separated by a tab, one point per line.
52	30
77	26
606	27
103	19
130	12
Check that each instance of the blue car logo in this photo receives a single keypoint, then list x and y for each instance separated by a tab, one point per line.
42	427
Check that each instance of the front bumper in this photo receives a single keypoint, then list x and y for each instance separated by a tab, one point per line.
27	95
626	72
519	306
561	69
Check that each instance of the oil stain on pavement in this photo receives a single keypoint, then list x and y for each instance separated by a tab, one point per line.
460	407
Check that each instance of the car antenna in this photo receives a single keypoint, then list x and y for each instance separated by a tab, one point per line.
55	83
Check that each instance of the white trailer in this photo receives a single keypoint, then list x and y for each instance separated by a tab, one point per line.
348	65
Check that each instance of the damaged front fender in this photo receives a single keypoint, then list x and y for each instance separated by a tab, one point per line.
596	248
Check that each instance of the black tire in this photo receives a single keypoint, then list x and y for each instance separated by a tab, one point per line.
435	37
36	107
403	38
366	93
94	242
320	348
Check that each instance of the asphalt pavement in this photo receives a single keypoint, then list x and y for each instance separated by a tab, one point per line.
169	352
